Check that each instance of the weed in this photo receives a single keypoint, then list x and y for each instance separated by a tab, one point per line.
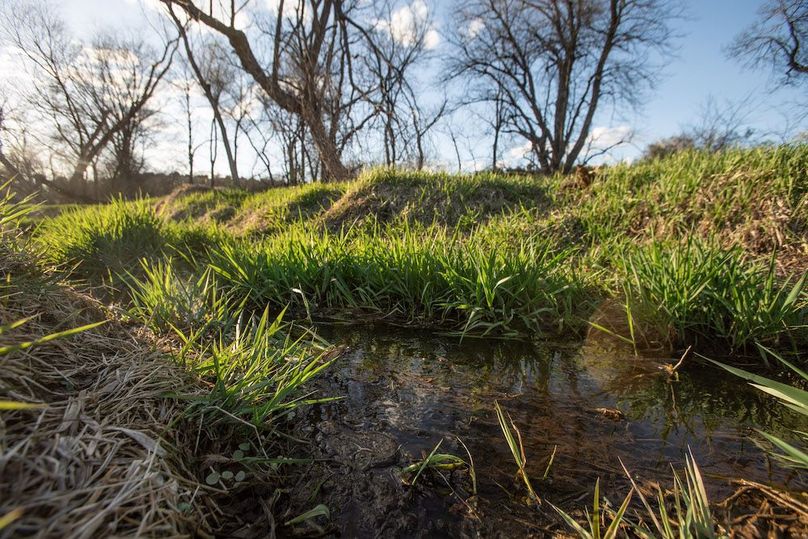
435	461
696	292
256	370
514	440
593	520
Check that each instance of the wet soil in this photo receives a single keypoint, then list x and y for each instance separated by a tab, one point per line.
403	391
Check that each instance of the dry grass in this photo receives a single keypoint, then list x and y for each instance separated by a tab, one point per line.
777	513
96	458
389	195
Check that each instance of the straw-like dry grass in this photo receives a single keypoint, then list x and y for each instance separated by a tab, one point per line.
95	458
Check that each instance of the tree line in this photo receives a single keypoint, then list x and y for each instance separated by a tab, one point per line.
318	89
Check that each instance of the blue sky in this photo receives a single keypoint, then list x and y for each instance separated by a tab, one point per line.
703	69
700	69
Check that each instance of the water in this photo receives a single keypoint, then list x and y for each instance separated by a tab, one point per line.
409	389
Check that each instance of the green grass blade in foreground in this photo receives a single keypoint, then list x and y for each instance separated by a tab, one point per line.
12	211
17	405
789	396
517	449
257	370
48	338
594	520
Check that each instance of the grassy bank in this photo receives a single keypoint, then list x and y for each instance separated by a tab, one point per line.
696	249
205	353
109	428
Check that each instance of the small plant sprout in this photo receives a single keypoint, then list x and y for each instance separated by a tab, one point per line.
593	520
435	461
517	449
318	511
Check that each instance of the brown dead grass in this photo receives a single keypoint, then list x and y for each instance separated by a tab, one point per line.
96	459
168	202
773	513
433	200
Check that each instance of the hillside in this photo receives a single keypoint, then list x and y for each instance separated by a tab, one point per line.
703	247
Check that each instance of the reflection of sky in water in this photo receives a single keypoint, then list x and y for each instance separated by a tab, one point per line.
419	388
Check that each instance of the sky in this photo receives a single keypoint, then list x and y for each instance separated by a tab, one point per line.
701	69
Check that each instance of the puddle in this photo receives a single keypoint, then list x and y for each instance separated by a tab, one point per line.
405	390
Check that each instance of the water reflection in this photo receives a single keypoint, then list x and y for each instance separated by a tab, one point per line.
419	388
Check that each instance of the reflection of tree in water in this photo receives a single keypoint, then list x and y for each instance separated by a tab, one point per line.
422	387
699	402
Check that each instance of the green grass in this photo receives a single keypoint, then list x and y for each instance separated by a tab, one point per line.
416	275
256	369
256	365
704	249
97	240
461	201
789	395
514	440
692	292
593	520
105	241
681	513
244	213
751	196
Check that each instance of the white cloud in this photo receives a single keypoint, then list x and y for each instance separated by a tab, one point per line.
431	39
519	152
407	22
474	28
603	137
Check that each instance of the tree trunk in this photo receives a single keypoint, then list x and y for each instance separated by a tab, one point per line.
333	169
228	151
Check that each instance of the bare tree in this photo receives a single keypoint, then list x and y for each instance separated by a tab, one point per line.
396	51
779	40
722	126
719	127
238	107
556	63
87	93
307	71
185	85
214	73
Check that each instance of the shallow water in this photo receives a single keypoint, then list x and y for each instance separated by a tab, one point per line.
411	389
